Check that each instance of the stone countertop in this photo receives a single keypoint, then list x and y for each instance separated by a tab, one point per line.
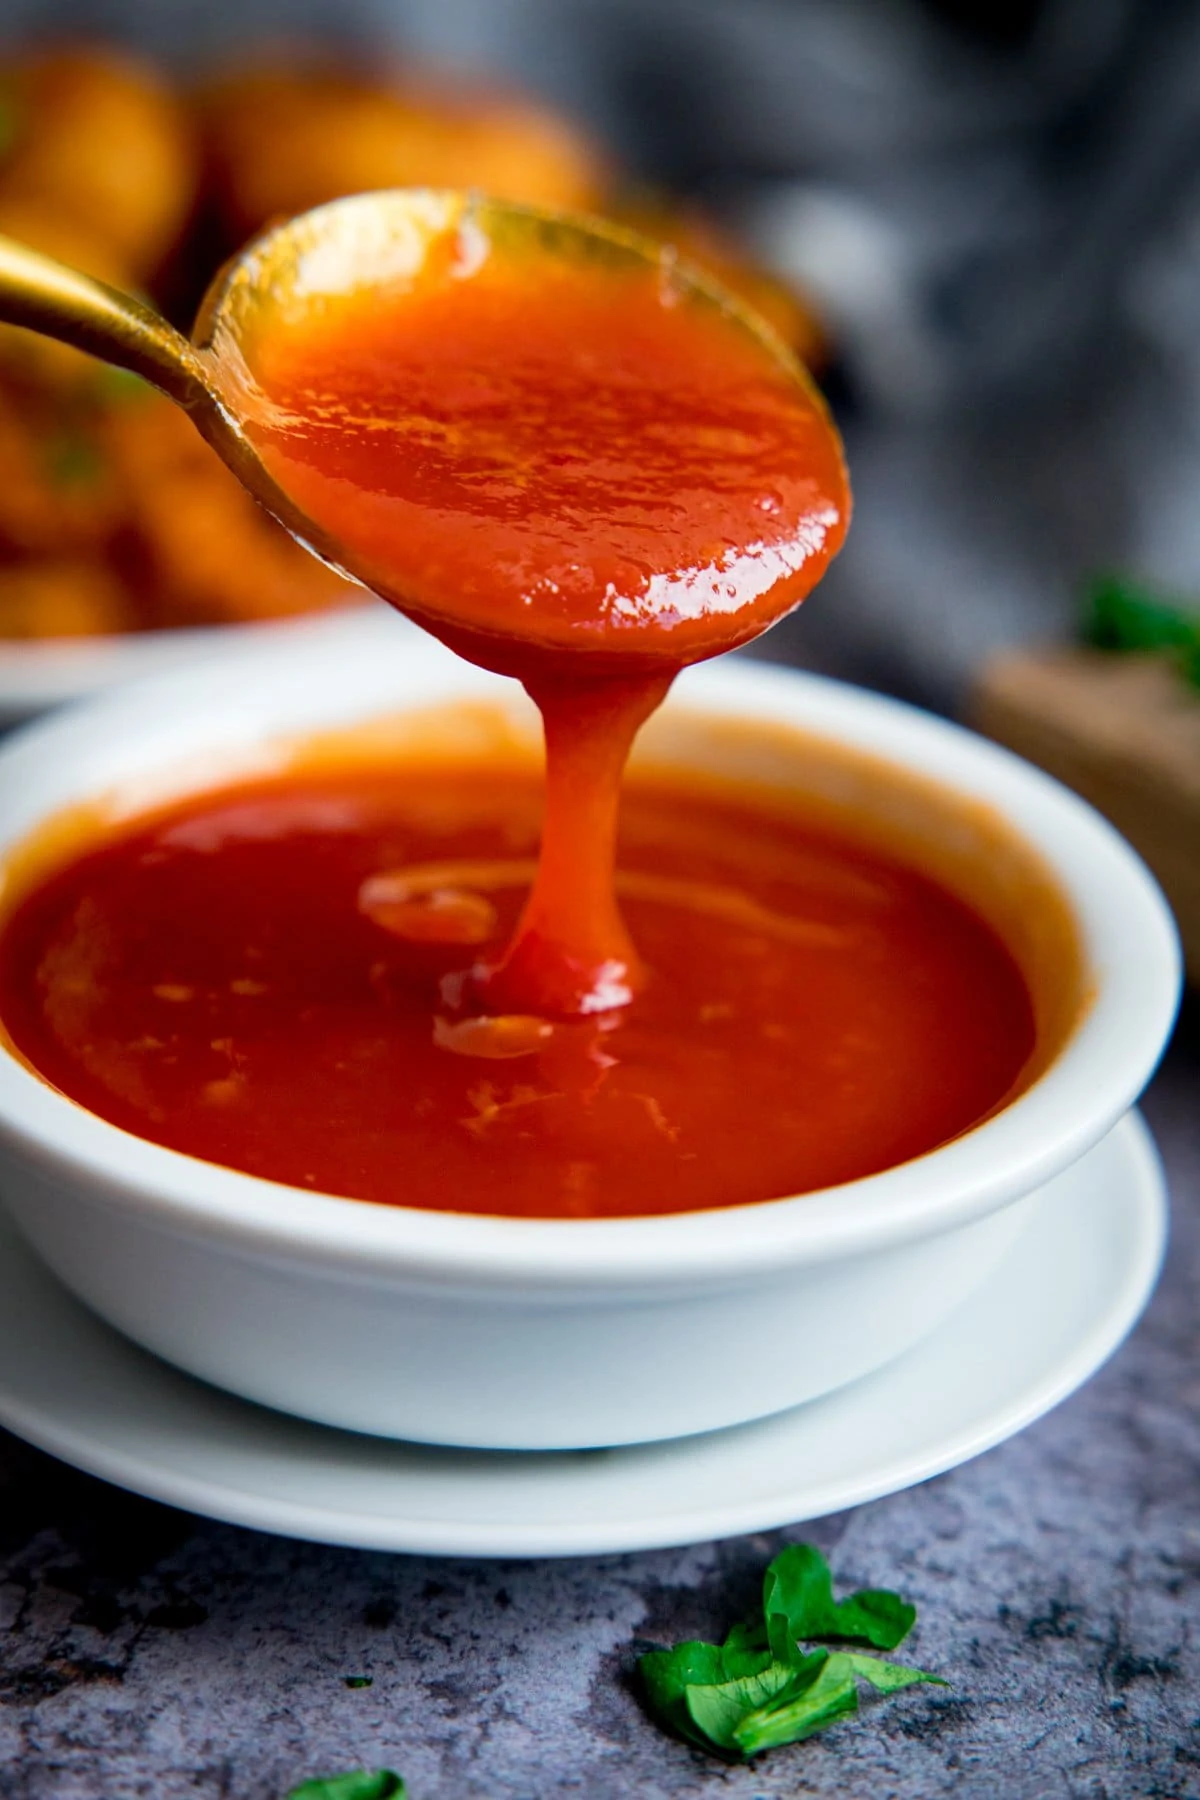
149	1655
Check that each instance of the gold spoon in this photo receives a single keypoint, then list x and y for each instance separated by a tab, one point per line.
368	240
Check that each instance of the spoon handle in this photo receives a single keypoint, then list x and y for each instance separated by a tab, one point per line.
46	296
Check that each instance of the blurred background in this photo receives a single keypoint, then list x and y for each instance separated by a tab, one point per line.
979	221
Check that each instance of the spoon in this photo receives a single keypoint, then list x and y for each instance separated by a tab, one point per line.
348	246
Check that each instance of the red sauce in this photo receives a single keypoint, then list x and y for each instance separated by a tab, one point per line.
578	474
226	980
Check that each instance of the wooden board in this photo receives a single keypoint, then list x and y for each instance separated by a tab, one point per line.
1123	731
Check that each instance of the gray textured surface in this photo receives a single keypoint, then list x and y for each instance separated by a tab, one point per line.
148	1654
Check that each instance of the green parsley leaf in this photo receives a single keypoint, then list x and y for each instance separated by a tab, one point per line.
745	1649
884	1676
1124	615
358	1784
359	1681
119	386
72	460
722	1714
763	1687
670	1676
798	1601
796	1716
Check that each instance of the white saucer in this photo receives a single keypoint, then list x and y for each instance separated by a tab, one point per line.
1063	1299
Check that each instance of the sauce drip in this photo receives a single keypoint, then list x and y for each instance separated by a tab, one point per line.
581	475
225	980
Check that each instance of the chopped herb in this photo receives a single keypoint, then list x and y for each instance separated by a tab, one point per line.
357	1784
766	1685
798	1600
73	461
358	1681
1122	615
117	386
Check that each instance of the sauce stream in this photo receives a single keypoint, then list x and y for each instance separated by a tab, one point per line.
579	475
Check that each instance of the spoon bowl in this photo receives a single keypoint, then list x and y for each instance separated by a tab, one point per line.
374	241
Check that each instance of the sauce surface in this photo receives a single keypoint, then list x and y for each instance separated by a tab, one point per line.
573	459
228	980
576	469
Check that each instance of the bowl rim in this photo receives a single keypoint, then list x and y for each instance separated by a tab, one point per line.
1127	935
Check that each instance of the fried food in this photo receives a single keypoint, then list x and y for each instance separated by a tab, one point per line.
99	167
58	493
700	240
202	550
281	140
62	597
100	141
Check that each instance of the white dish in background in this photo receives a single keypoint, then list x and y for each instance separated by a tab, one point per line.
37	674
1060	1302
535	1334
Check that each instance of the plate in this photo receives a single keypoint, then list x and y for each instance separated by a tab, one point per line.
1064	1297
38	673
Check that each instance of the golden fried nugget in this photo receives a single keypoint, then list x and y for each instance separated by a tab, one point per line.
283	139
700	240
59	234
98	139
207	553
59	491
62	597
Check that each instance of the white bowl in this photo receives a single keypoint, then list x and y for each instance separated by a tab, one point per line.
535	1334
